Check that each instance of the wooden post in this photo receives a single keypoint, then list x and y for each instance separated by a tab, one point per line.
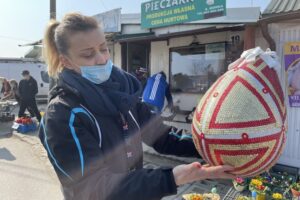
52	9
249	37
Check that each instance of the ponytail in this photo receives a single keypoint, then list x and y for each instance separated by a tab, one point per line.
50	51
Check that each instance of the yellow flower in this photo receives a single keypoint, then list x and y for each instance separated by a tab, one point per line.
277	196
256	182
192	196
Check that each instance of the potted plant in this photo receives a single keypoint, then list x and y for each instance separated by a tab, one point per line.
295	188
260	190
243	198
239	184
277	196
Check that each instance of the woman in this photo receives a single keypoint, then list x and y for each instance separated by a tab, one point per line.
14	92
94	124
5	89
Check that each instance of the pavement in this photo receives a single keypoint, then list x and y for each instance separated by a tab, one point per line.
26	173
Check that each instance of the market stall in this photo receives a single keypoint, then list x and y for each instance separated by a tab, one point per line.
7	116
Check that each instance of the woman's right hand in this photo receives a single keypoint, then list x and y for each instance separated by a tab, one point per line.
195	172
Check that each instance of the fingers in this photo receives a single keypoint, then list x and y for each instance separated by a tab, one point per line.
220	167
219	172
195	172
196	164
193	166
224	168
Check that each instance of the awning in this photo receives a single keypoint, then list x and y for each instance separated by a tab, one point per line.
35	52
39	42
152	37
134	37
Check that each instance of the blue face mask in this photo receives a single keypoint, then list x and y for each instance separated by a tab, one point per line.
97	73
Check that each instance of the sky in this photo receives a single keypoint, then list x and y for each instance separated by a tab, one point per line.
24	21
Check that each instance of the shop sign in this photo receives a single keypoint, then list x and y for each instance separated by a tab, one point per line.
158	13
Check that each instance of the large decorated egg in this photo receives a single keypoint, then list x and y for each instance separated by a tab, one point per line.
240	121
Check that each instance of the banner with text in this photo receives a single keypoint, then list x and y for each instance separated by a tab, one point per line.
158	13
292	67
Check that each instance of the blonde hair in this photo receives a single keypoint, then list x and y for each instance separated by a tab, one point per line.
56	42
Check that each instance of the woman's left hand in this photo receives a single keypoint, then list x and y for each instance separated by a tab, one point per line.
195	172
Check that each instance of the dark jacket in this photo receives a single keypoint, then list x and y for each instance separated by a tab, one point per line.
28	89
93	135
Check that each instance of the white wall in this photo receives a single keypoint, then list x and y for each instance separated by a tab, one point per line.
159	60
116	56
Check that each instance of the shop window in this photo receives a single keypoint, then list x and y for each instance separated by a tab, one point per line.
195	68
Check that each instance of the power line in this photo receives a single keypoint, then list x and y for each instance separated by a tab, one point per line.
102	1
14	38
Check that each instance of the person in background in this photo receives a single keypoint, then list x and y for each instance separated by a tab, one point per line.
14	92
5	89
155	92
95	123
28	88
141	75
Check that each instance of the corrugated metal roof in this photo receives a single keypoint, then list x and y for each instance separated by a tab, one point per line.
282	6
